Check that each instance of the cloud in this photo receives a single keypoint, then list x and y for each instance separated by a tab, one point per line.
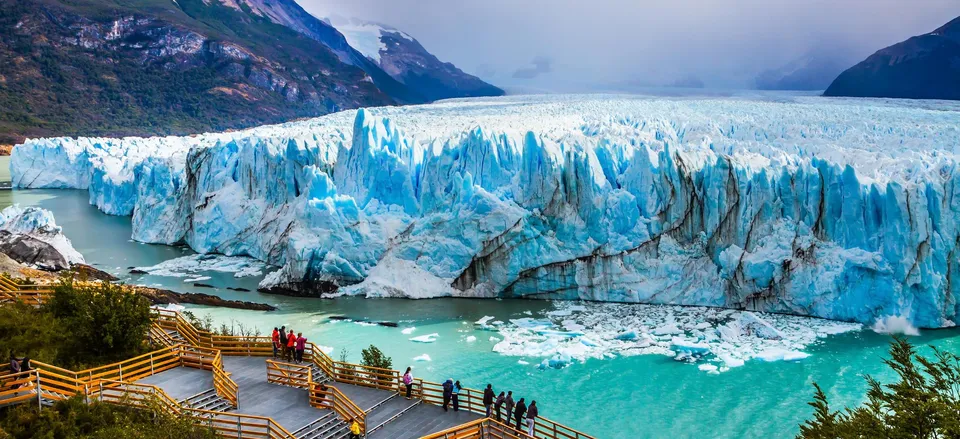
596	43
541	65
486	71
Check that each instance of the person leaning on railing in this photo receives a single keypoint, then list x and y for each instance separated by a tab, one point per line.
531	417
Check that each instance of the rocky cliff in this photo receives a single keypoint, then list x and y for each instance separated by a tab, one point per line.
96	67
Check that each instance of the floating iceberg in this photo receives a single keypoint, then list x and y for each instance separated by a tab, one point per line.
707	336
185	266
834	208
429	338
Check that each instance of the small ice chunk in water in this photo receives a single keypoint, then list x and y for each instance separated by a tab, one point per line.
471	339
483	321
523	363
494	339
429	338
197	279
408	331
423	357
709	368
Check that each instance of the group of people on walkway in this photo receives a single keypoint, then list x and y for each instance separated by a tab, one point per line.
287	346
493	403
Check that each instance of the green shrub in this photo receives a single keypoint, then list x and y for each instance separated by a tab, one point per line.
83	325
923	403
75	419
373	357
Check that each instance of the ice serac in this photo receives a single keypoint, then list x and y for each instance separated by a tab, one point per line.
830	208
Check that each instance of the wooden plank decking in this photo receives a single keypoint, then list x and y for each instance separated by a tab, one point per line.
290	407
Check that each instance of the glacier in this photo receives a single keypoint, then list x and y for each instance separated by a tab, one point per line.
836	208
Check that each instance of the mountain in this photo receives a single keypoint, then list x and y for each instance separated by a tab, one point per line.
922	67
815	70
406	60
112	67
288	13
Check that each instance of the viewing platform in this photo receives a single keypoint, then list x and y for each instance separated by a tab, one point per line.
233	385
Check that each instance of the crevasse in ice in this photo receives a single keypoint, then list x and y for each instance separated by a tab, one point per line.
843	209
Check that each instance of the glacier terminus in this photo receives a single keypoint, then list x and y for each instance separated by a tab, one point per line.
833	208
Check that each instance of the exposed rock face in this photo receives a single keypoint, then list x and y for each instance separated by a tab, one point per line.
97	67
159	296
26	249
31	236
922	67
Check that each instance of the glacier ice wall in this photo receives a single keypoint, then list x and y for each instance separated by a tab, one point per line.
830	208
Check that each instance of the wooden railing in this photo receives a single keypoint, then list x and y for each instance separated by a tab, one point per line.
479	429
355	374
229	425
288	374
329	397
27	293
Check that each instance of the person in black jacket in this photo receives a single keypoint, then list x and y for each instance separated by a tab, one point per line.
488	396
447	393
498	404
518	413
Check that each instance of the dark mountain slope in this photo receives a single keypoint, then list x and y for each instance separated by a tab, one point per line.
147	67
922	67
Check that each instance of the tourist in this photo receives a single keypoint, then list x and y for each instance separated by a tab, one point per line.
320	395
488	398
531	417
283	342
355	430
276	342
291	344
408	381
499	404
509	404
301	345
518	413
14	368
447	392
456	395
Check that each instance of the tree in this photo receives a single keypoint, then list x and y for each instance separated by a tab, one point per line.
923	403
374	357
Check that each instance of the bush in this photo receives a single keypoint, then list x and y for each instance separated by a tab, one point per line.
83	325
73	418
373	357
923	403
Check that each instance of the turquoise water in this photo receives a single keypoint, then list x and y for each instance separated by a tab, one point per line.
628	397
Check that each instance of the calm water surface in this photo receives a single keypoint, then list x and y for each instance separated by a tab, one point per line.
623	398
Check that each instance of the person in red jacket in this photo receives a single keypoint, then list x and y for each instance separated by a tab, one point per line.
276	342
291	344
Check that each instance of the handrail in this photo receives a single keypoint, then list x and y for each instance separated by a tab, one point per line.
289	374
330	397
227	424
485	428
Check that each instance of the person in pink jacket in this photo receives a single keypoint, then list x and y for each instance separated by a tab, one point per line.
301	345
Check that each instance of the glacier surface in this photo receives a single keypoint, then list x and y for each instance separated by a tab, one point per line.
841	209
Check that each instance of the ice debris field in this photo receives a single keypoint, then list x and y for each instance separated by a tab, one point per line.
714	339
841	209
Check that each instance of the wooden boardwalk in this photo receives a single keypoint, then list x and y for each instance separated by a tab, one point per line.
389	415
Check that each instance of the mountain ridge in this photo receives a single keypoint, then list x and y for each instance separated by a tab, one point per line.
925	66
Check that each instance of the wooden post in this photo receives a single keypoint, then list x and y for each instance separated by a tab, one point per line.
39	392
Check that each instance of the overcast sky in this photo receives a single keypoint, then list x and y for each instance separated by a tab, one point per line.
588	45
